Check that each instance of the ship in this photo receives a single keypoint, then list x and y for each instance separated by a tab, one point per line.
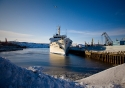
60	44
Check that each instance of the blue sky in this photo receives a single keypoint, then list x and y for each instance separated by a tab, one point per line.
37	20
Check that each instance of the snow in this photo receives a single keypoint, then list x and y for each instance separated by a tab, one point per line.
111	78
100	48
12	76
32	45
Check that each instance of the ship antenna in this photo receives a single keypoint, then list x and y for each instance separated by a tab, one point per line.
59	30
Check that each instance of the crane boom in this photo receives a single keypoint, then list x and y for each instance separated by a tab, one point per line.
108	40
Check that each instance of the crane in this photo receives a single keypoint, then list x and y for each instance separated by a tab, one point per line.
108	40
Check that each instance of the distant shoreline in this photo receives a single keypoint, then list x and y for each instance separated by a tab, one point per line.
5	46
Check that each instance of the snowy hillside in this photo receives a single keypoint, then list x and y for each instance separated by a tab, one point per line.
12	76
32	45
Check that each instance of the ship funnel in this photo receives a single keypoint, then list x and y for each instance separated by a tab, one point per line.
59	30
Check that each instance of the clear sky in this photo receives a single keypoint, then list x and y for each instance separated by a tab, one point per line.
37	20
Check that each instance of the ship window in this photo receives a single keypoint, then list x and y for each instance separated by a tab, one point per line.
57	37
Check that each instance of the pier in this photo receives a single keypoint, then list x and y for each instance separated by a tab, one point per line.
108	57
107	54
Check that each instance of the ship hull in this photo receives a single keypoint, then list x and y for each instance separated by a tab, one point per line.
59	47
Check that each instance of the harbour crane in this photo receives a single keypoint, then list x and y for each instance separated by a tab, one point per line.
108	40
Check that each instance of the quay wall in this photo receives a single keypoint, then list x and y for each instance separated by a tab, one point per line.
108	54
108	57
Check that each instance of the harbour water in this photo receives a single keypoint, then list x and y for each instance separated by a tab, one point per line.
71	67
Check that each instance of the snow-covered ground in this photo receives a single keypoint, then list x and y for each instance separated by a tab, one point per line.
111	78
12	76
31	45
100	48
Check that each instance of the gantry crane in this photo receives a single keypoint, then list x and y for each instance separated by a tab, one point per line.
108	40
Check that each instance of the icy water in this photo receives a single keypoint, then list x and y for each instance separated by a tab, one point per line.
71	67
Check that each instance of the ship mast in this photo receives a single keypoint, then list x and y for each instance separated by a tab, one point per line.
59	30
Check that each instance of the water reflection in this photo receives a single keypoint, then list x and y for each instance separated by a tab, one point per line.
57	60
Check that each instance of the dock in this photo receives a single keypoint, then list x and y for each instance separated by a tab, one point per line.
107	54
108	57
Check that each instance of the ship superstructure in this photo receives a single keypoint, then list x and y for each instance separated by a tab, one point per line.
60	44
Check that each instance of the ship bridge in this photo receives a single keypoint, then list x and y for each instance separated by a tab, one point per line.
59	36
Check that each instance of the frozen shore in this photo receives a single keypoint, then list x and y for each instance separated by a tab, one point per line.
12	76
111	78
68	75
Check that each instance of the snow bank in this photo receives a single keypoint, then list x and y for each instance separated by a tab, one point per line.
111	78
12	76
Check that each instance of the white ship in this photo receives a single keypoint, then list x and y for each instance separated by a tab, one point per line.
59	44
